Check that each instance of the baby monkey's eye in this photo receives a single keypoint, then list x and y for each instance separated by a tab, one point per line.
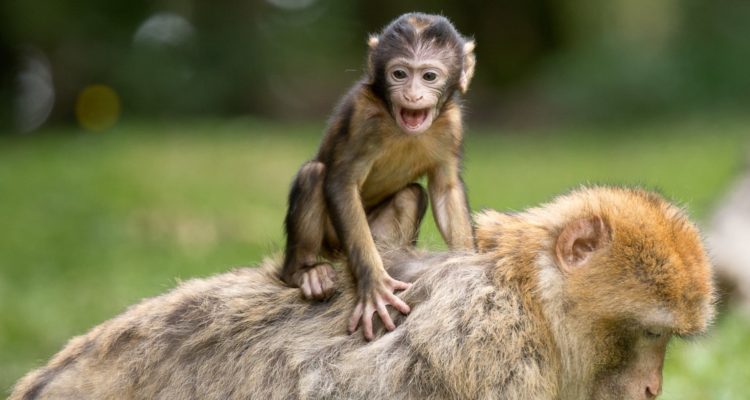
429	76
399	74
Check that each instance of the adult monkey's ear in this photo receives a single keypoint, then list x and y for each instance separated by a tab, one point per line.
579	240
469	61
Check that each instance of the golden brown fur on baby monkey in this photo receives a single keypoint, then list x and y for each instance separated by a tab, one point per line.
400	122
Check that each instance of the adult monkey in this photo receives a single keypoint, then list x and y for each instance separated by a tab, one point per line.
576	299
400	122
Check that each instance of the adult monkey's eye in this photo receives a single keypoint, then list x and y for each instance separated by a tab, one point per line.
429	76
652	334
399	74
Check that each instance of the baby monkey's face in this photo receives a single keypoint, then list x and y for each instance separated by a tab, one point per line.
416	86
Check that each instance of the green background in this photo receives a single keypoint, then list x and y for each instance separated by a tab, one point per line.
222	101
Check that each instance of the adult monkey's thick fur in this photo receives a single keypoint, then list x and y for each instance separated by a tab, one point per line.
524	319
400	122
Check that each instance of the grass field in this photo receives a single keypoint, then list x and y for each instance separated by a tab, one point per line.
90	223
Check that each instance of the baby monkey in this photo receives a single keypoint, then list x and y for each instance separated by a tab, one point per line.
400	122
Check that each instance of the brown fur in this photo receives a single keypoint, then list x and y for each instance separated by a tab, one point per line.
367	157
506	322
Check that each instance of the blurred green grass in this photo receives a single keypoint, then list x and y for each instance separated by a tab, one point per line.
94	222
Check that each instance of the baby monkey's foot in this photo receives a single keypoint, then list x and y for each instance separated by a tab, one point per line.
317	282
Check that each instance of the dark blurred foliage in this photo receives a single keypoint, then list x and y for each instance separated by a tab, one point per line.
538	60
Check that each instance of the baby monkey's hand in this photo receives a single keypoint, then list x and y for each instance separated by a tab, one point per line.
375	298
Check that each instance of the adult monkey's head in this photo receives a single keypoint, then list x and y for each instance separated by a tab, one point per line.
416	64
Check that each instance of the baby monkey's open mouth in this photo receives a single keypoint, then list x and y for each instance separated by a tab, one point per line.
414	121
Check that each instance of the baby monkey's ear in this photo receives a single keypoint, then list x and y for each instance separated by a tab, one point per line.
373	41
469	62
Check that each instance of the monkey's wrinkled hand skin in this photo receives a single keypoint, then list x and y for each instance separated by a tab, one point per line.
317	282
375	299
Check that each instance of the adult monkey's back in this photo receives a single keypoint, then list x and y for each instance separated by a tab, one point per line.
576	299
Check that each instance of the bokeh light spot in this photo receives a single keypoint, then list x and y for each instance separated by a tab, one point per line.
292	4
36	93
97	108
167	29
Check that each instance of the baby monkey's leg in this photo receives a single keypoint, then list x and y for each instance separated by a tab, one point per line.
305	224
395	223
